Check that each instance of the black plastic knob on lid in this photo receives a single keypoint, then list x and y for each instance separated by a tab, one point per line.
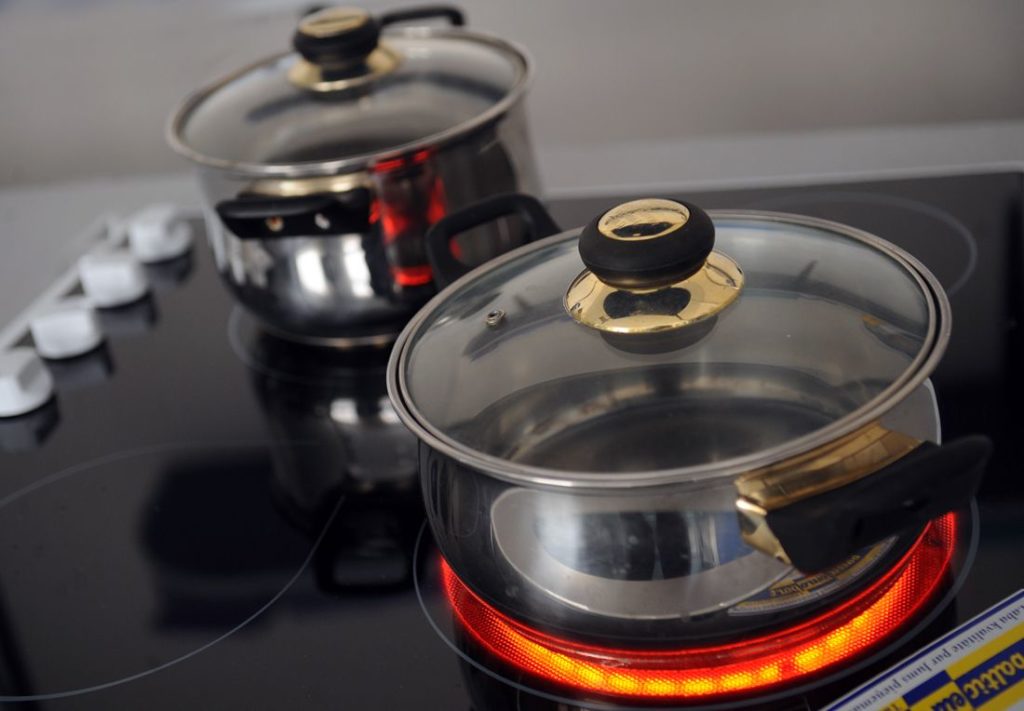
647	244
337	36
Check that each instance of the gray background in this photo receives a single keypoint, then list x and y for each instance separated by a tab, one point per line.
634	95
86	85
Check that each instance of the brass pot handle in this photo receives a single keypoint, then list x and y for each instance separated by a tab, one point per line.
815	510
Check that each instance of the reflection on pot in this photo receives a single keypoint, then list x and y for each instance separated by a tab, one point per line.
339	480
363	457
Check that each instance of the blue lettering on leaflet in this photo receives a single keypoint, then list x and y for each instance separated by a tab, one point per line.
926	689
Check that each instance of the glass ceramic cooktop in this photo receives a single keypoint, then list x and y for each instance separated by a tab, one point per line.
205	519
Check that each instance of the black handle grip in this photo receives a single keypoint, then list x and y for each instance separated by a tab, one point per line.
647	244
425	12
260	217
824	530
447	268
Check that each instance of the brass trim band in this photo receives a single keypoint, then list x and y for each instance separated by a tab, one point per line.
830	466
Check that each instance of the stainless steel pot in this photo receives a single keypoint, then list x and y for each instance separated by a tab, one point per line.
321	169
628	431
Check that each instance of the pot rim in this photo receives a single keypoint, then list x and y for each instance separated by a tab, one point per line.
936	340
176	122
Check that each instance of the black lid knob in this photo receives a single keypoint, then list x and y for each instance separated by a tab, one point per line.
337	36
647	244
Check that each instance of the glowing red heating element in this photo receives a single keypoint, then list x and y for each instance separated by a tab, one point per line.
782	657
403	217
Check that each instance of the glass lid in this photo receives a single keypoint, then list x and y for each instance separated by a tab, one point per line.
660	342
349	94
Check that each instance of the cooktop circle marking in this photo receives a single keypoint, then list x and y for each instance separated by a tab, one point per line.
99	462
914	206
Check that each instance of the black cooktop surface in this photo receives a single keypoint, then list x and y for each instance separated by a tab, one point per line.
202	518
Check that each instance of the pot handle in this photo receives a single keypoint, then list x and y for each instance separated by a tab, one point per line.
446	267
261	217
424	12
821	530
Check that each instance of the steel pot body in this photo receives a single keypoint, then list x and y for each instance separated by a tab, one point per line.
647	566
363	285
650	486
318	191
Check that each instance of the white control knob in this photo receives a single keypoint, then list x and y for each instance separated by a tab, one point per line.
25	383
112	278
67	329
157	233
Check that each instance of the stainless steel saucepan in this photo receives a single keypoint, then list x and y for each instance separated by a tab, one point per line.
629	429
322	168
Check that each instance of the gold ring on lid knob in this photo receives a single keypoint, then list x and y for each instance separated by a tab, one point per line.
333	21
308	75
645	219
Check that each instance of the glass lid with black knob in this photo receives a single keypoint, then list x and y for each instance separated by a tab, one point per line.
661	343
354	88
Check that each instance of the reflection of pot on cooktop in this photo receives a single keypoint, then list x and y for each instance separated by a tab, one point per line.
337	399
228	546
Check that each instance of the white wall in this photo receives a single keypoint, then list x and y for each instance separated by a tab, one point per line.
85	85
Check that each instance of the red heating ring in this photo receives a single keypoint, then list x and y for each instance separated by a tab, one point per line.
400	222
834	637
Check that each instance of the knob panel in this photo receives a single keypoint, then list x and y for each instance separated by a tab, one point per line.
25	383
158	233
112	279
66	330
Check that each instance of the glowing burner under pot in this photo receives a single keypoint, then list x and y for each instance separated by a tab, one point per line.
875	616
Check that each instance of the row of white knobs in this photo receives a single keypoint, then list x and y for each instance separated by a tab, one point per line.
71	327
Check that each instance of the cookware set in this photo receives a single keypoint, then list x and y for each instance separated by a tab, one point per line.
623	428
